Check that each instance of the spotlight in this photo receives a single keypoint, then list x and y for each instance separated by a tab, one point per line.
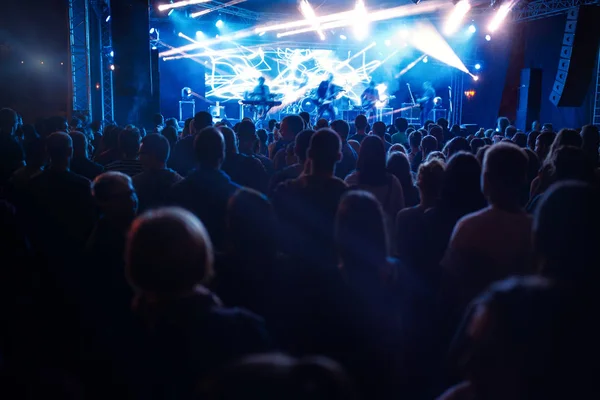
456	17
112	67
475	78
500	16
170	12
388	43
477	66
152	30
472	29
219	24
112	53
343	37
488	37
107	19
154	48
199	35
416	1
425	59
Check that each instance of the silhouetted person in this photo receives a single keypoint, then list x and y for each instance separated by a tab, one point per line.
493	243
154	184
170	133
295	170
398	165
207	189
248	143
306	206
456	145
129	146
35	157
348	162
80	164
429	144
244	170
291	126
11	153
361	124
184	329
109	151
379	129
590	143
183	158
401	137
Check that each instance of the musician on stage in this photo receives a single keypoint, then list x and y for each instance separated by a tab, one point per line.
261	93
426	101
325	93
369	98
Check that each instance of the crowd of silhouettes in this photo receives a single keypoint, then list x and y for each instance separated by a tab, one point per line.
345	260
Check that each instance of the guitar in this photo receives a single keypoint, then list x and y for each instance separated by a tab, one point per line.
368	104
329	99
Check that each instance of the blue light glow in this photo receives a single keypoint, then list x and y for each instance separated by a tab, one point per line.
488	37
478	66
219	24
472	29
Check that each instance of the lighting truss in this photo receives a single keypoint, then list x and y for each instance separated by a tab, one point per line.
107	73
538	9
81	91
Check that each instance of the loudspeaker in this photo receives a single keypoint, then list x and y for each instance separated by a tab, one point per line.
530	97
577	57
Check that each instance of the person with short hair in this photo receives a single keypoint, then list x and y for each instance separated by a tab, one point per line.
306	206
543	143
295	170
159	122
207	189
438	133
361	124
322	123
170	133
502	124
401	136
242	169
349	155
379	131
80	163
496	238
456	145
154	183
414	140
290	126
510	131
183	156
11	152
129	146
184	329
248	141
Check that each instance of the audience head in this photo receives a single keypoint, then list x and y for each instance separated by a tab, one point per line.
169	251
246	134
430	178
355	145
231	140
324	151
59	147
172	122
590	141
80	144
565	137
428	124
202	120
414	139
498	355
262	136
531	138
547	127
510	131
209	146
398	165
476	144
489	133
291	126
361	235
428	144
129	143
443	122
186	127
543	144
8	121
170	133
302	144
306	119
273	122
533	165
361	123
504	175
379	129
570	162
322	123
278	376
436	155
536	126
154	152
342	128
503	123
251	224
371	161
396	147
438	133
115	196
456	145
481	153
461	189
158	119
520	139
566	232
401	124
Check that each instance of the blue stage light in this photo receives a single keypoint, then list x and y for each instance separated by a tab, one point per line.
488	37
219	24
477	66
472	29
426	60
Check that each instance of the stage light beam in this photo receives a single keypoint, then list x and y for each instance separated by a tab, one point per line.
500	16
360	21
456	17
309	13
219	24
178	4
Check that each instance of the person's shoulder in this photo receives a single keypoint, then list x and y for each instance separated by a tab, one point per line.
79	179
352	178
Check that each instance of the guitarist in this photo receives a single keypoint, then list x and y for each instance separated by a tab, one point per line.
369	98
426	101
325	93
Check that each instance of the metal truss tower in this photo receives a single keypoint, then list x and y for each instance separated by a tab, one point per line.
79	57
538	9
596	117
107	72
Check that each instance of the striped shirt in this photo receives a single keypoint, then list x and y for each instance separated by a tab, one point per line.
128	167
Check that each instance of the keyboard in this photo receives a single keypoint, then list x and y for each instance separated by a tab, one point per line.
261	103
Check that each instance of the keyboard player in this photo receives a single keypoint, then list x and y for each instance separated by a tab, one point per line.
261	93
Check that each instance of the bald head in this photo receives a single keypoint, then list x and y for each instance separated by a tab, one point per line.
168	252
209	147
291	126
115	195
